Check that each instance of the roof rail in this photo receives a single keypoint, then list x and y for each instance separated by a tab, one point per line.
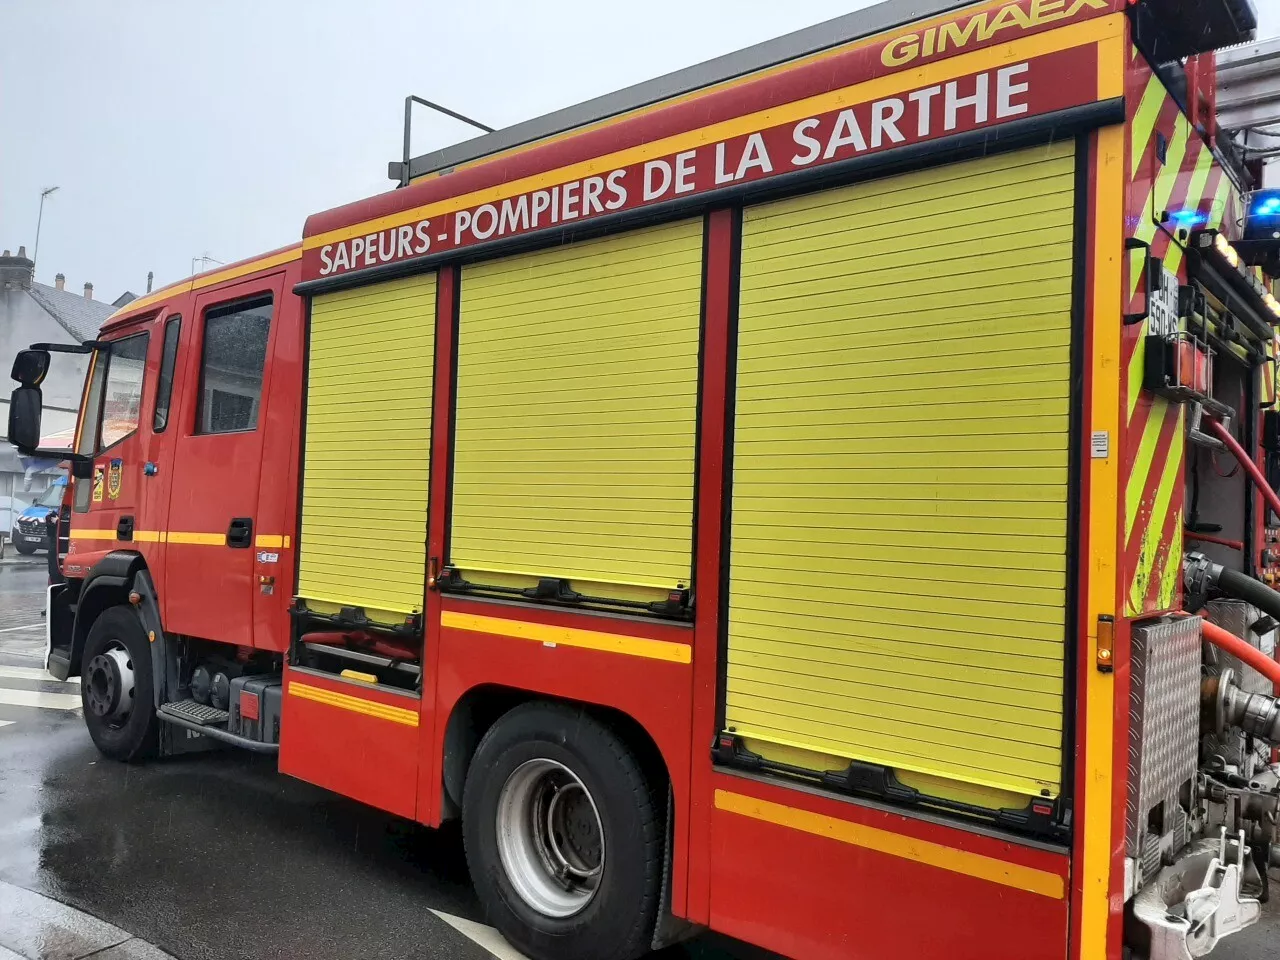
851	26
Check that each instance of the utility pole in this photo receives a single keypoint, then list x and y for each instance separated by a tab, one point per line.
35	254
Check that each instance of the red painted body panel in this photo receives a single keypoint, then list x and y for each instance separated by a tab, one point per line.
860	61
654	693
215	479
817	898
430	788
719	299
1046	84
364	757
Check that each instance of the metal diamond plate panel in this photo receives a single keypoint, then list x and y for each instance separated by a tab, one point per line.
1164	716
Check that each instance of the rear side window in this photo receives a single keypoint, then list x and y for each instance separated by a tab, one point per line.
164	388
122	396
231	363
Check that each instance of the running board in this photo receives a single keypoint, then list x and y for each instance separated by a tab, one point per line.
181	714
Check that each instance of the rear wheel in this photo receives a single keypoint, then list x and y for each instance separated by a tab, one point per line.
116	687
564	836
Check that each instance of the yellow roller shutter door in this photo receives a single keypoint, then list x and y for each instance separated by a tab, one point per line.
576	406
899	516
367	447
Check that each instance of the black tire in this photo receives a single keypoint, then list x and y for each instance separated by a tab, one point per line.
618	921
137	736
26	549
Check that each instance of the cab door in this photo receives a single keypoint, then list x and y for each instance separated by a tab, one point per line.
217	462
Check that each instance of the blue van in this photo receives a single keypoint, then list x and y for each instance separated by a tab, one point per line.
29	531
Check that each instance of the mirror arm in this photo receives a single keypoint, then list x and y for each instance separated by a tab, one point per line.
87	347
42	454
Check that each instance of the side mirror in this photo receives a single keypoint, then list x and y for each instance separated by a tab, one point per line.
30	367
24	415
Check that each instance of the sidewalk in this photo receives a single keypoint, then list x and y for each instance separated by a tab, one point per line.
34	927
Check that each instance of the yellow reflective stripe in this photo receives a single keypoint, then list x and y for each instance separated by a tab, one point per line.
203	539
1144	120
266	540
93	534
1161	190
570	637
207	280
1218	211
969	864
343	701
1199	177
1095	775
1087	32
1142	464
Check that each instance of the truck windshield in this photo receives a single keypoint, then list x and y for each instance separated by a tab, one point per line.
113	396
51	497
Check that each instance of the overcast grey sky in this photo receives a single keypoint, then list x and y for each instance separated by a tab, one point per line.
176	129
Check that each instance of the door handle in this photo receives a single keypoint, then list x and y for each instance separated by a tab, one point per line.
240	533
124	528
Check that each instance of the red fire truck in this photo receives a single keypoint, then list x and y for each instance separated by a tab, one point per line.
755	500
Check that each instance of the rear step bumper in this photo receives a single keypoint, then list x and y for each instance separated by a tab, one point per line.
215	733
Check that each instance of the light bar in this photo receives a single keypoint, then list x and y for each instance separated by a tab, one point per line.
1232	257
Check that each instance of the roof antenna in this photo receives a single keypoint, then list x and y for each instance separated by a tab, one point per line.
402	174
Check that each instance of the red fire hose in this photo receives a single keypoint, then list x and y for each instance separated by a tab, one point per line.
1241	650
1246	461
1220	541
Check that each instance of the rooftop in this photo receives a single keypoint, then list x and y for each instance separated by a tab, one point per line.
79	316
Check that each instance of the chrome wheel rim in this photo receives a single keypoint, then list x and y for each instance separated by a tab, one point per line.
109	685
550	838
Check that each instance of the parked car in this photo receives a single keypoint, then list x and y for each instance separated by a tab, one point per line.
30	532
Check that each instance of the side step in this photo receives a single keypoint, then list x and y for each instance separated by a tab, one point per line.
210	722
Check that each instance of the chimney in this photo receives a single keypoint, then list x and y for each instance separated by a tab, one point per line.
60	282
88	291
16	271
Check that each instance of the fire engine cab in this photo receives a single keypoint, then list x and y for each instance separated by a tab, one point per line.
826	495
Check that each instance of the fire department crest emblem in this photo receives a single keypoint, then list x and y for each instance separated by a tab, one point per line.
113	478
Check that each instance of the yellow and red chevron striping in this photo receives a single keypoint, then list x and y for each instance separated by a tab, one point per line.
1154	445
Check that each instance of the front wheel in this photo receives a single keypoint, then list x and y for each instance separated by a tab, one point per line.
564	836
116	687
26	549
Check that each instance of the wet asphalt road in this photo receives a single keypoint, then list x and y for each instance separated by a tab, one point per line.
218	856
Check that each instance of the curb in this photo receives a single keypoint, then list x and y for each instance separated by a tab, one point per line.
35	927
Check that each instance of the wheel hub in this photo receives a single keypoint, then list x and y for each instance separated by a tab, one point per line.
550	838
109	685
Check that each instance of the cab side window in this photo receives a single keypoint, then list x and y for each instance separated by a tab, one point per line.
164	387
122	392
231	364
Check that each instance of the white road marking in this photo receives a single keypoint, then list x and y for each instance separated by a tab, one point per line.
7	723
29	626
485	936
32	673
33	698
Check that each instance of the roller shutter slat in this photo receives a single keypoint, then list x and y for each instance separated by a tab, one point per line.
367	447
898	562
576	405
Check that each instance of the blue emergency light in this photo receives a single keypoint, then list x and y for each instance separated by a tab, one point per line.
1264	205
